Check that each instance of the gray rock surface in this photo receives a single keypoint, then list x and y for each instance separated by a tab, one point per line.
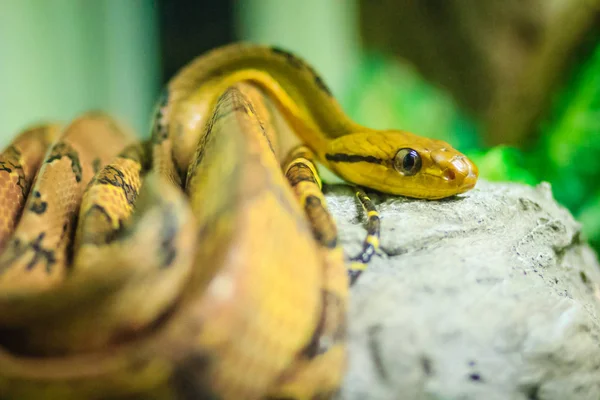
490	295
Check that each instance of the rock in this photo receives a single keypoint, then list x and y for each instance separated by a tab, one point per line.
490	295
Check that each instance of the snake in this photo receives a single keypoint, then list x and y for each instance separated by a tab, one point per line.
201	262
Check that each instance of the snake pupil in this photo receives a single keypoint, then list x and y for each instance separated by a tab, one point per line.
409	161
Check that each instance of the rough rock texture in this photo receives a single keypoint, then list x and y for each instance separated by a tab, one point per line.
491	295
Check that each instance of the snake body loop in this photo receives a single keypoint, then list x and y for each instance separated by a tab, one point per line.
18	165
36	257
189	266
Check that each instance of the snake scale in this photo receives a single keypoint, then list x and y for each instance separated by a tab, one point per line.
202	262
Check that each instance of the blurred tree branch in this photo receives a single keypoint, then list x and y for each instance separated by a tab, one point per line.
501	59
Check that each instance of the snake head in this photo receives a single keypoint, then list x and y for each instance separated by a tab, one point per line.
401	163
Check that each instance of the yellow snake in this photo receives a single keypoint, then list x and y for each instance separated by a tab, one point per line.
186	266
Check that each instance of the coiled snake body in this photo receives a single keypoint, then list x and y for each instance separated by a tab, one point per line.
186	266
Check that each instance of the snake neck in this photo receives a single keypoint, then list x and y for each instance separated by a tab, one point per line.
292	82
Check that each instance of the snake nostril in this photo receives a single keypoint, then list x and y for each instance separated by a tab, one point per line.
449	175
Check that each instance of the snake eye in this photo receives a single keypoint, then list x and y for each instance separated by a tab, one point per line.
407	162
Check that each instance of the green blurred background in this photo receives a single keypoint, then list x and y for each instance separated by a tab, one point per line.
514	84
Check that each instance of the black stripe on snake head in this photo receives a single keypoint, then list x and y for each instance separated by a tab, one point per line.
352	158
63	149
